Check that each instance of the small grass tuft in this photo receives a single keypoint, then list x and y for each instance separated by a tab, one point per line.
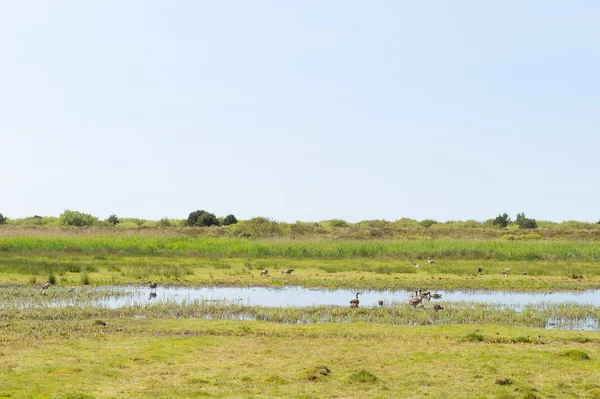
503	381
275	379
574	354
85	279
317	372
363	377
474	337
99	322
52	279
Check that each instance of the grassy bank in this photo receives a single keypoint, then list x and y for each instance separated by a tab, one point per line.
180	358
19	305
319	249
76	269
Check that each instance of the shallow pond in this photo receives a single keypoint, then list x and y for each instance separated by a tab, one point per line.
300	297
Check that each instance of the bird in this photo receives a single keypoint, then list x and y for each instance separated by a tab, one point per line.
415	300
419	265
438	307
524	273
354	302
152	285
505	272
436	296
430	261
71	289
380	302
479	270
287	271
264	272
46	285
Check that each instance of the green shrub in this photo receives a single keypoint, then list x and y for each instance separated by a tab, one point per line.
229	220
338	223
501	220
113	219
78	219
427	223
202	218
164	222
525	223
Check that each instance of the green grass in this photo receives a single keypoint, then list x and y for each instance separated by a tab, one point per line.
73	269
181	358
33	304
321	249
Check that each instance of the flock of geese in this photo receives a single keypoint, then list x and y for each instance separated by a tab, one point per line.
415	299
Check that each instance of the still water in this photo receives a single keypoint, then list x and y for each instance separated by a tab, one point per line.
300	297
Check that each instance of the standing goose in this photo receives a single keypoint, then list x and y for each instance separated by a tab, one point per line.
380	302
152	285
479	270
264	272
46	285
354	302
430	261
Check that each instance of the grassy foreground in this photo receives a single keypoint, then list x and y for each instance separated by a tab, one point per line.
180	358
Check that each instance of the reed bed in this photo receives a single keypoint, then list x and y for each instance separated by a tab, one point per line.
235	247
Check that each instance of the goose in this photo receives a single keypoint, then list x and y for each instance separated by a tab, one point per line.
436	296
152	285
287	271
415	300
430	261
354	302
419	265
438	307
479	270
524	273
380	302
46	285
505	272
264	272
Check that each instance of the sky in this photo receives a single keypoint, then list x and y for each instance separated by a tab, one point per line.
300	110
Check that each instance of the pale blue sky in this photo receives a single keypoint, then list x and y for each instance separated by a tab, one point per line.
301	110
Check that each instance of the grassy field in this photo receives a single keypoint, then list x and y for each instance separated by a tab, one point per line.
316	249
181	358
73	269
202	349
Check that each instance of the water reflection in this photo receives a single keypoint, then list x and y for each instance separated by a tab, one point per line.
300	297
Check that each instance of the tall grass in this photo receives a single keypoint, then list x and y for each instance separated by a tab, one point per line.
233	247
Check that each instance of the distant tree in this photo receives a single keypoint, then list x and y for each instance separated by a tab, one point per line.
113	219
427	223
525	222
202	218
229	219
501	220
164	222
3	220
78	219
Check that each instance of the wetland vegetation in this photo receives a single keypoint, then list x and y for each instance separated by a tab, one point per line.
226	349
